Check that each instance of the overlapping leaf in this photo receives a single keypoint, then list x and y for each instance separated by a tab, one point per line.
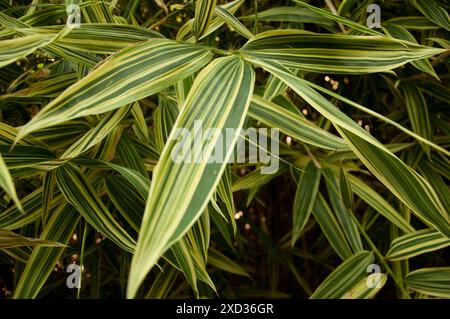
175	204
135	72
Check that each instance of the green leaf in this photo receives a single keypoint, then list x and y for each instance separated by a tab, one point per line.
185	33
136	72
289	14
430	281
9	239
416	243
434	12
305	196
15	49
339	19
343	214
7	183
25	156
411	188
293	125
325	53
377	202
42	261
331	228
401	33
233	22
219	260
80	194
175	204
344	277
96	134
413	23
417	108
204	11
363	291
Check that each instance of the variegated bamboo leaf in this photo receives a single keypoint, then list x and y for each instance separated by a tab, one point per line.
133	73
170	213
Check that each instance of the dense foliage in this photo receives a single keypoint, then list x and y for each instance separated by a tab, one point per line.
88	116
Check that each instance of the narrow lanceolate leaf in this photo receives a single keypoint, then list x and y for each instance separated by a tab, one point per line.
343	214
219	260
331	228
377	202
416	243
42	261
15	49
319	52
25	155
288	14
408	186
435	179
430	281
433	11
293	125
305	197
204	11
49	87
132	74
9	239
339	19
344	277
96	134
185	32
13	218
413	23
364	290
7	183
402	33
80	194
164	117
345	189
219	98
418	112
233	22
411	188
98	37
225	192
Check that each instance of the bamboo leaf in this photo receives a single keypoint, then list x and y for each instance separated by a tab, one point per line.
80	194
233	22
9	239
133	73
344	277
185	33
15	49
350	54
165	221
418	112
363	291
430	281
434	12
416	243
291	14
305	196
204	11
331	228
42	261
411	188
293	125
7	183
